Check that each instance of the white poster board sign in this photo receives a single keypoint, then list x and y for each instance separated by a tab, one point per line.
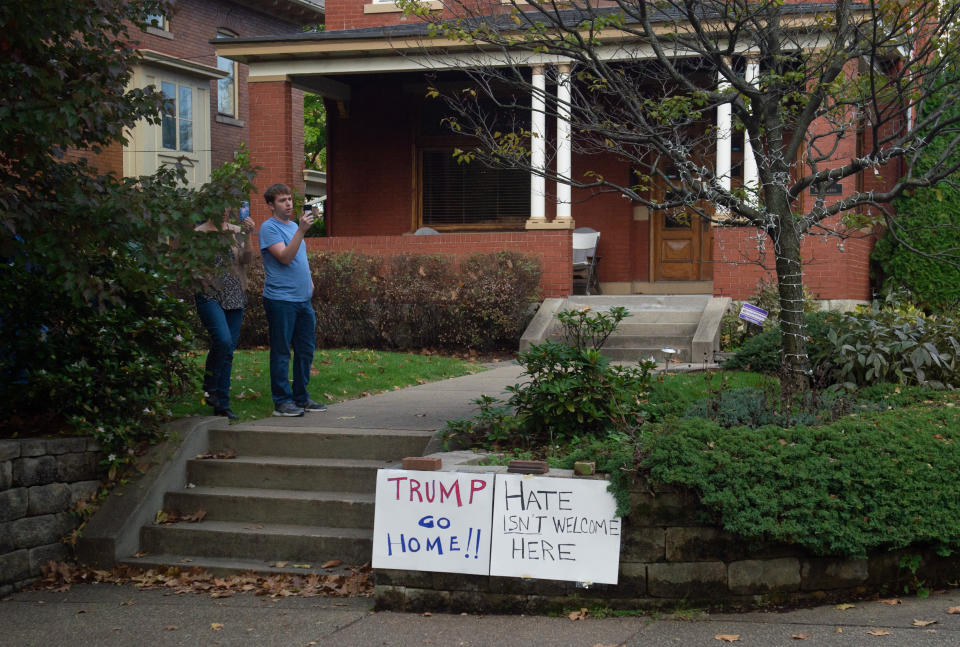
433	521
555	529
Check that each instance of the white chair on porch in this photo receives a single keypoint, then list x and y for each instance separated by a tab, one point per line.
585	260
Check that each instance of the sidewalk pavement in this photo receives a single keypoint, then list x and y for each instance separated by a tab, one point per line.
111	615
105	615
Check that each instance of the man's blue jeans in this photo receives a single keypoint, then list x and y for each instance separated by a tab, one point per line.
291	324
224	329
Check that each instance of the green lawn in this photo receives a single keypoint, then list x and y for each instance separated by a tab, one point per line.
338	374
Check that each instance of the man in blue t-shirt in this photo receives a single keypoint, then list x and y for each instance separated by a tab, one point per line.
287	289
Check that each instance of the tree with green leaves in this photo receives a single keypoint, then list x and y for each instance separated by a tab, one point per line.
647	81
92	332
314	132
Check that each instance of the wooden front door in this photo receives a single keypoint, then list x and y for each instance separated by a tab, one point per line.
682	246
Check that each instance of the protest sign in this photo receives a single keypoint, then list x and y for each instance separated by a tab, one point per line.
433	521
554	528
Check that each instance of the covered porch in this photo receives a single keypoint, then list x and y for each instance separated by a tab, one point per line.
391	168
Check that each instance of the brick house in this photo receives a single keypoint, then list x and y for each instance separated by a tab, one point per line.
210	113
390	172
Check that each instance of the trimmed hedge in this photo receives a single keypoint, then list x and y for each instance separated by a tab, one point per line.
409	301
883	480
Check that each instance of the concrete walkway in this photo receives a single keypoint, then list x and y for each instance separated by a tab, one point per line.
105	616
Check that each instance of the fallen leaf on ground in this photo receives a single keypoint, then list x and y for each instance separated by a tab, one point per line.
578	615
216	626
892	601
878	632
300	566
923	623
331	563
427	614
953	610
730	638
800	636
838	630
128	603
222	454
172	628
845	606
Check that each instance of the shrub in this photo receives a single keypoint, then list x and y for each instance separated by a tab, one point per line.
881	481
734	331
416	301
494	299
762	352
347	286
891	343
572	390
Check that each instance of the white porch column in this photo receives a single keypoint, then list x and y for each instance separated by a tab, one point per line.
724	128
751	178
538	147
564	145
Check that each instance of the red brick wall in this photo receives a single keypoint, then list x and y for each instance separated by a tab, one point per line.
829	270
553	248
275	143
612	215
110	160
370	154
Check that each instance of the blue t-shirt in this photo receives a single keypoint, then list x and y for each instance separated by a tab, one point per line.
284	282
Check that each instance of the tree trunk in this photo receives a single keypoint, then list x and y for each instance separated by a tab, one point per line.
796	362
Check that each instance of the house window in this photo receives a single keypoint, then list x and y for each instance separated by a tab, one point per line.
157	21
176	127
227	86
471	195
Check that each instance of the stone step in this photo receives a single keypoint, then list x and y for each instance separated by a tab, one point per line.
371	444
249	541
223	566
287	473
336	509
641	302
657	329
678	342
638	353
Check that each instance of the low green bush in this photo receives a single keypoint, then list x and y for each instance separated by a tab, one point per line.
734	331
762	352
415	300
881	480
571	391
890	342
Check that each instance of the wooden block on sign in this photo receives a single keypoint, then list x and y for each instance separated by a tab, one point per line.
422	463
528	467
584	468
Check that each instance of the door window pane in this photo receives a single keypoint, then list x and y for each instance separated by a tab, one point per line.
186	103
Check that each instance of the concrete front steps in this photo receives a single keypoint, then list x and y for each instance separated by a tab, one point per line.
688	324
293	498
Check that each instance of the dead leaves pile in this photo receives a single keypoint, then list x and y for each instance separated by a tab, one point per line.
352	582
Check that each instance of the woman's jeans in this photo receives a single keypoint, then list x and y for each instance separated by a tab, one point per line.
291	323
224	329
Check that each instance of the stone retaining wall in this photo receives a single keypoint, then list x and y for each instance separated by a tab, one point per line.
41	479
672	554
